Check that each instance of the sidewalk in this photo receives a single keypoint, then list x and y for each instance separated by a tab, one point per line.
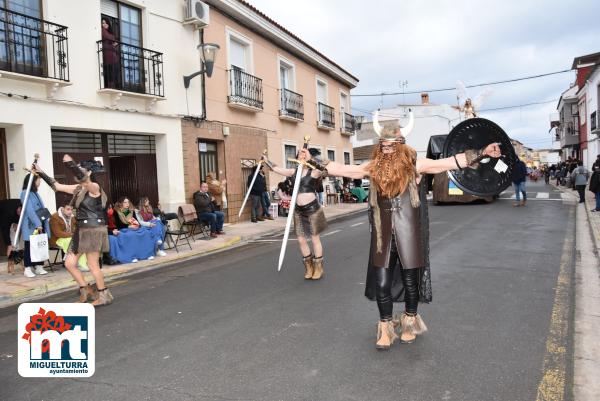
17	288
587	301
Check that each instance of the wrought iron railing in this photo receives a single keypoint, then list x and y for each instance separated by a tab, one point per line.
245	89
33	46
130	68
349	123
292	104
326	115
593	121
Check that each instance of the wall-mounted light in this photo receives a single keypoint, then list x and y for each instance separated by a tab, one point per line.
208	54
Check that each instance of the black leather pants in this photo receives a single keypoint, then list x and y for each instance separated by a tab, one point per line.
384	277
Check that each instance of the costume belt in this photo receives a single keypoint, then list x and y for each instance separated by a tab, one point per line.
91	222
309	207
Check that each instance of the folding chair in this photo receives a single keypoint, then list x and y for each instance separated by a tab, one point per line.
54	262
178	233
188	219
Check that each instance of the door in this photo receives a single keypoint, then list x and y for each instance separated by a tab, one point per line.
3	166
21	39
123	180
208	158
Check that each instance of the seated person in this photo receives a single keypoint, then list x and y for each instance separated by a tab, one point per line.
204	204
129	242
145	216
62	227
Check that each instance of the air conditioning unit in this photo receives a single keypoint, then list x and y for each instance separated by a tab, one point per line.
197	13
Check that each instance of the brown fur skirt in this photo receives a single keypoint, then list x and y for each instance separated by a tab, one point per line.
309	219
89	239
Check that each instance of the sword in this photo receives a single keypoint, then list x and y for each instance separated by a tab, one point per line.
290	217
16	239
251	184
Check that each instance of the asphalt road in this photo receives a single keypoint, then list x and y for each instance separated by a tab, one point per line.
229	327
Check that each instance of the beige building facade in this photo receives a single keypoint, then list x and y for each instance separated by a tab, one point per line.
268	90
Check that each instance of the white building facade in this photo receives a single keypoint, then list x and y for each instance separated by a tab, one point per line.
60	92
591	93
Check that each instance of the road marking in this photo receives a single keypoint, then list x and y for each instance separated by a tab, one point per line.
331	232
272	240
543	195
357	224
553	383
531	199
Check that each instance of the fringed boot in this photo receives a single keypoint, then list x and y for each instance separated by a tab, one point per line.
87	293
308	266
104	297
318	266
385	335
412	325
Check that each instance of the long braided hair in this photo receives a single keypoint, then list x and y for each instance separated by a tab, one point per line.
391	173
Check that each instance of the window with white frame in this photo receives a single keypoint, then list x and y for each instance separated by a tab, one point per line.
239	50
289	152
343	103
331	155
321	91
286	75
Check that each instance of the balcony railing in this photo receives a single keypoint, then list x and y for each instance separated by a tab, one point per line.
349	123
292	104
245	89
32	46
130	68
593	121
326	115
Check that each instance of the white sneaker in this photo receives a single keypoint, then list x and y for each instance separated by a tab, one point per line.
40	270
161	253
28	273
134	261
150	257
83	268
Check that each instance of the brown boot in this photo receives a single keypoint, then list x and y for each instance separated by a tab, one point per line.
104	298
308	265
87	294
318	272
385	335
523	202
10	266
412	325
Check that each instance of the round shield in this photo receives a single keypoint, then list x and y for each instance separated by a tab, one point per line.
491	176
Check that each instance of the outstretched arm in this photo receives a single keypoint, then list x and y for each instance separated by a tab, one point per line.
462	160
287	172
337	169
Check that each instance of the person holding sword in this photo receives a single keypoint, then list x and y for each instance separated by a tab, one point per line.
309	218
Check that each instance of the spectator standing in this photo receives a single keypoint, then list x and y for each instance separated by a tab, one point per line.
519	178
205	207
320	190
596	163
216	188
595	186
256	193
32	224
10	210
580	177
110	57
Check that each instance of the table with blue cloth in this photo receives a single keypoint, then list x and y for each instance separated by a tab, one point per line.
360	193
137	244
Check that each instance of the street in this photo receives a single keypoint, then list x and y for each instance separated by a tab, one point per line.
229	327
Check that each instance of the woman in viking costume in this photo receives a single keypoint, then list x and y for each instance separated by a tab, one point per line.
309	218
90	236
398	269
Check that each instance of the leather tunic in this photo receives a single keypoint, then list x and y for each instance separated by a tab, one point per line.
90	212
308	184
409	226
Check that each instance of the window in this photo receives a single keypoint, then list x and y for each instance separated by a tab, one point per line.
208	158
331	155
290	152
239	52
582	112
322	91
343	103
346	157
125	23
21	38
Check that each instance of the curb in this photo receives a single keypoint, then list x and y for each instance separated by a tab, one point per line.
68	284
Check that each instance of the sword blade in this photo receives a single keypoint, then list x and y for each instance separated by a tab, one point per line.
248	191
290	217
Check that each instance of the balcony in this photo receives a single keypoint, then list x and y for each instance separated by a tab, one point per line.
348	124
32	49
245	90
127	70
292	105
326	117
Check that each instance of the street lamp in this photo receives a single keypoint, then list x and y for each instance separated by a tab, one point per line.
208	53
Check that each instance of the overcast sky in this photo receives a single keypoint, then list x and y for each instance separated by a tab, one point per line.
434	43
